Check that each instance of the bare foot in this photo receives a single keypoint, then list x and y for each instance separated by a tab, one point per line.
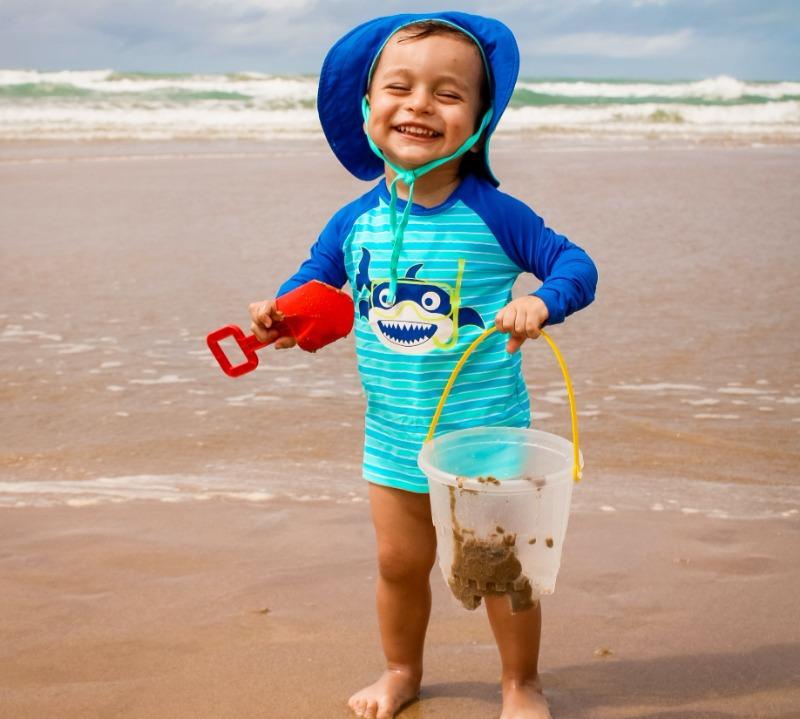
524	700
387	696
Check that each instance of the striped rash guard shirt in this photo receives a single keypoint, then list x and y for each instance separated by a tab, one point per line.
456	268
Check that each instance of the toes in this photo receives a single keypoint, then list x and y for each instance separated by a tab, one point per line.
357	705
372	710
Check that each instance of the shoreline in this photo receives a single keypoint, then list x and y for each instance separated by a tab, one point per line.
64	150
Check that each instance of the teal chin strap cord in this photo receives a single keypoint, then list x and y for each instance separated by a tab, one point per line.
409	177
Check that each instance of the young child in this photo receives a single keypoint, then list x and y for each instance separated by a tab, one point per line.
431	253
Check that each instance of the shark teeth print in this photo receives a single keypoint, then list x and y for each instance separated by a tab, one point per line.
406	333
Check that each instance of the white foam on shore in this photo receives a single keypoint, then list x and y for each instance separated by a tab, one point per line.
658	387
164	379
145	487
15	333
555	396
321	393
71	349
711	415
745	390
700	402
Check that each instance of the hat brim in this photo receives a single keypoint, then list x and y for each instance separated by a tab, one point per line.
345	72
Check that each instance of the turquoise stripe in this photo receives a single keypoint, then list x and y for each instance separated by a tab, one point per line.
378	439
373	380
487	389
462	404
515	418
405	461
460	388
409	442
423	408
378	375
442	245
448	422
429	228
412	477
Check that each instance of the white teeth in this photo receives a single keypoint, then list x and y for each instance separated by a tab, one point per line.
409	130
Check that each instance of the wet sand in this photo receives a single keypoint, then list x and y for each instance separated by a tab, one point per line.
151	508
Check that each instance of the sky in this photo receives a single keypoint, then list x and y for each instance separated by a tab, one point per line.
657	39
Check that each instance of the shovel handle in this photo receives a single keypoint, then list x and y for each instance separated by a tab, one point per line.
247	343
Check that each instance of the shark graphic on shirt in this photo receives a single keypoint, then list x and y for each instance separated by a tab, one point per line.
423	317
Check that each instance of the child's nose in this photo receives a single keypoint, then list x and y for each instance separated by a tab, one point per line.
420	100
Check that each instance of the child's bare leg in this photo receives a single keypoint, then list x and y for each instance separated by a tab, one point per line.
517	637
406	552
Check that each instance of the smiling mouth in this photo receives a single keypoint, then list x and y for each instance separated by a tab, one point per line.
406	333
414	131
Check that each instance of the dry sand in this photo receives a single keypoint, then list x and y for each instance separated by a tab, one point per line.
153	510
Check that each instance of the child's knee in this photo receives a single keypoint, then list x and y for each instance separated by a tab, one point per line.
399	564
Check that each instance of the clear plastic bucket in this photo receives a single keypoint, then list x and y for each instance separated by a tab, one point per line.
500	500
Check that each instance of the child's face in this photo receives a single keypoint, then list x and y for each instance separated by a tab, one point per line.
424	98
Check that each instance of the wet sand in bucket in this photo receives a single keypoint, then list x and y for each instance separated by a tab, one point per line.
486	567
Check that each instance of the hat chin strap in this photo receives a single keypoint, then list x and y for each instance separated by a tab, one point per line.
409	177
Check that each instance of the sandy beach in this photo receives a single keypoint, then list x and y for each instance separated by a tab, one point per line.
175	543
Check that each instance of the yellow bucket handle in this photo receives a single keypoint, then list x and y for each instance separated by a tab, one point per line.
576	466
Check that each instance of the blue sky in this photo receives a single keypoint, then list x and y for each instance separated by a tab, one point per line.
566	38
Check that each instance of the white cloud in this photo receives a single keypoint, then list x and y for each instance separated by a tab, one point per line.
612	45
238	5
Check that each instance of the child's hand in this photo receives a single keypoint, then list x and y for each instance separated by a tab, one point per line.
264	315
523	318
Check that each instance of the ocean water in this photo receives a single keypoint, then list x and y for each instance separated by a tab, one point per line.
108	105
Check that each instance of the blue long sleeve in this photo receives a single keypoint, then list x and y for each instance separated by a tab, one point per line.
568	274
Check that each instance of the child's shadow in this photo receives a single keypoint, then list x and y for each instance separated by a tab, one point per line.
673	682
665	684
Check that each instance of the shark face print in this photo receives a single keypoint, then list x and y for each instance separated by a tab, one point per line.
421	314
423	317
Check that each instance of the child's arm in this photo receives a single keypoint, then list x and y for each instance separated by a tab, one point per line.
568	275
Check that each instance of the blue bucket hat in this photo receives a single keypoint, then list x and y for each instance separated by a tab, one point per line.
345	75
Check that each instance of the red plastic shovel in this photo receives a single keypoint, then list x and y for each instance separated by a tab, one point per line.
315	314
